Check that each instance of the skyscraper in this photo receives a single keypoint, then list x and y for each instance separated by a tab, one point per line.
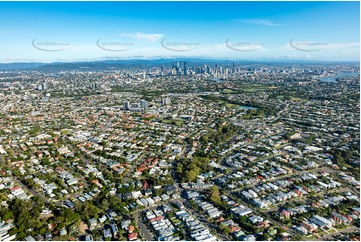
177	69
144	104
198	70
206	69
185	69
162	70
126	105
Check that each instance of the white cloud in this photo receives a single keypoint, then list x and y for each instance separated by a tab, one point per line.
143	36
265	22
350	45
317	45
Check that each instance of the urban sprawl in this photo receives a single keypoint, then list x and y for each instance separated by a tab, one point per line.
181	151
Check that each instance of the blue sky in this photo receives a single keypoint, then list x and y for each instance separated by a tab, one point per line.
68	31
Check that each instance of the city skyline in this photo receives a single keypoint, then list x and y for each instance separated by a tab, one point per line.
71	31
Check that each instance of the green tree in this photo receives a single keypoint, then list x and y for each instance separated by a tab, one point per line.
20	235
215	195
35	130
8	215
225	229
42	231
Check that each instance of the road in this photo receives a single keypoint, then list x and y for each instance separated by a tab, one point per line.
199	216
141	225
148	236
202	218
31	191
330	236
295	173
265	213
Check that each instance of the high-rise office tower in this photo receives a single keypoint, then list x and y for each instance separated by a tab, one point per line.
206	69
126	105
198	70
177	69
185	69
143	104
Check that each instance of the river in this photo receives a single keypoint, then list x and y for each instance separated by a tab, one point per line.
340	75
248	107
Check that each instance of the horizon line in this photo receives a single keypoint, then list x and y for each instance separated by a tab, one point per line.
269	59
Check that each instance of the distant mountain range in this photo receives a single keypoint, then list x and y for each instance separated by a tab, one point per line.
146	63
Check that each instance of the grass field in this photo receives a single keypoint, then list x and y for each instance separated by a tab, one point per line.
257	88
230	105
292	98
